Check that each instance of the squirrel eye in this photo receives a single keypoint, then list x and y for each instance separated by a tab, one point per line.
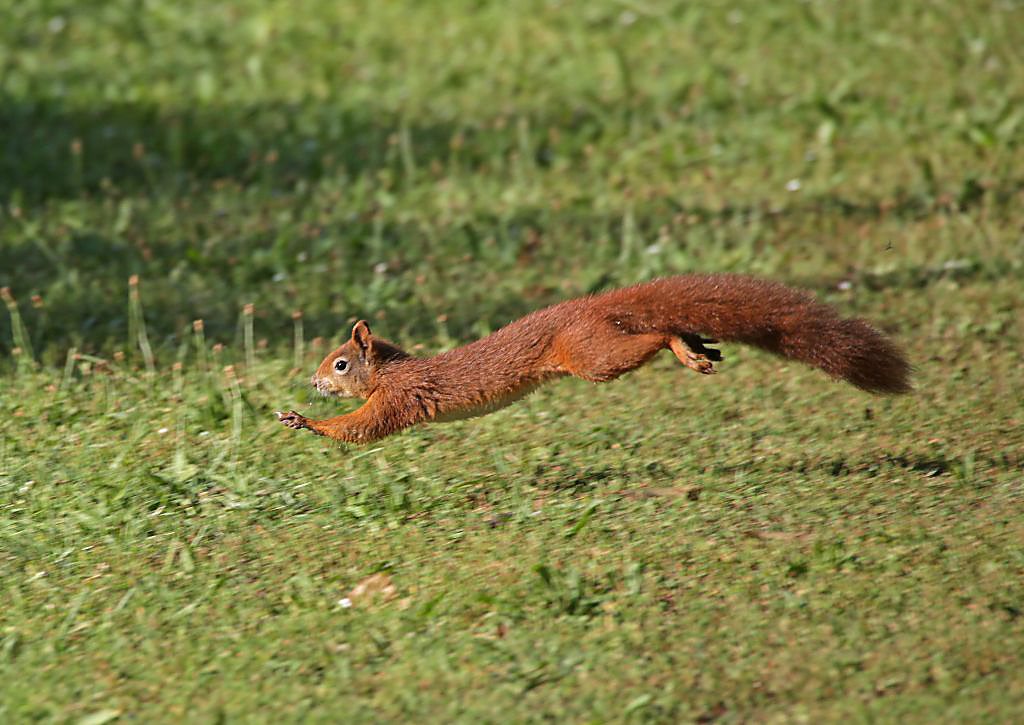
340	364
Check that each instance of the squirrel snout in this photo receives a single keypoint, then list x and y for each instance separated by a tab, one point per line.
323	386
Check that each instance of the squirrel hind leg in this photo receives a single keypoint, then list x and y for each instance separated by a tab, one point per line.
692	352
603	355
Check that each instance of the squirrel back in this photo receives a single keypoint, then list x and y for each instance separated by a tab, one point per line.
599	338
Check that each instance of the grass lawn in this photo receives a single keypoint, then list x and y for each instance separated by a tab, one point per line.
763	545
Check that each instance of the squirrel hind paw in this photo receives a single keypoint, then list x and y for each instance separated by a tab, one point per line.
698	345
701	364
692	353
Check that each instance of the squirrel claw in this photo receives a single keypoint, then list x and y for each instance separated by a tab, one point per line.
701	364
693	354
292	420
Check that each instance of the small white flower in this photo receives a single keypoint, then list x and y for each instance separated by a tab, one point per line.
793	185
204	433
344	602
956	264
163	430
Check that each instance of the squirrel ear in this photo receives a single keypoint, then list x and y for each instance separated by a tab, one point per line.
361	336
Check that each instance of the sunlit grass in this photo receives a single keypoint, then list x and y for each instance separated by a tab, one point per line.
195	200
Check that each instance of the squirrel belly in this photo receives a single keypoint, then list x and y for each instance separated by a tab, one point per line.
598	338
489	406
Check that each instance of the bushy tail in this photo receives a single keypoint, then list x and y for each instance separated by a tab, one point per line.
773	317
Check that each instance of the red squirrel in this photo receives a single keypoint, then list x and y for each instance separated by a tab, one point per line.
597	338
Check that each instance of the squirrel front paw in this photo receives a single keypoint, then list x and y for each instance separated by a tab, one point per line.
293	420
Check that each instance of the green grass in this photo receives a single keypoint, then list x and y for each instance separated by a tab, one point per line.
764	545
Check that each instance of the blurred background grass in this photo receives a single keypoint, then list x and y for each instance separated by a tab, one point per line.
410	160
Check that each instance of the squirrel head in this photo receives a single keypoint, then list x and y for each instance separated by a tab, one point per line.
351	371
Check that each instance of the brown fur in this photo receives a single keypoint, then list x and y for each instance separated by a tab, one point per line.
599	338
